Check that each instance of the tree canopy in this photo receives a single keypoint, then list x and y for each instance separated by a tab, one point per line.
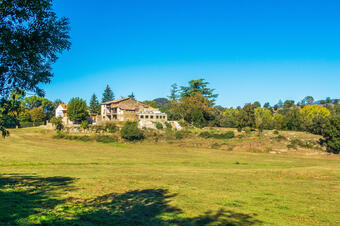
31	38
77	110
94	104
108	94
199	86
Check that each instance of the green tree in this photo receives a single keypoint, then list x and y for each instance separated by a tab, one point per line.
35	102
191	108
288	103
246	116
108	95
308	100
56	103
77	110
58	123
199	86
309	112
331	134
31	37
278	121
267	105
150	103
37	115
174	92
257	104
292	119
132	96
263	119
230	117
131	132
94	104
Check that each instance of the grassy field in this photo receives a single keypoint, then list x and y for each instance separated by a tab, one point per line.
56	181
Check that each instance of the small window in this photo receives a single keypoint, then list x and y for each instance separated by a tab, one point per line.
151	116
142	116
163	117
146	116
157	117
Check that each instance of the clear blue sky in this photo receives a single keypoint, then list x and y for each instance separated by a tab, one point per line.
248	50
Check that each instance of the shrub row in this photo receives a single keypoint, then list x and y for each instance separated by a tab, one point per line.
98	138
226	135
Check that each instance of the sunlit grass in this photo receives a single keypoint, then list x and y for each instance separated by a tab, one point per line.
56	181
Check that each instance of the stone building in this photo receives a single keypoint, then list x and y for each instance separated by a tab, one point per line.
128	109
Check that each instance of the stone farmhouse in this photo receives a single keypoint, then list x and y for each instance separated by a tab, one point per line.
128	109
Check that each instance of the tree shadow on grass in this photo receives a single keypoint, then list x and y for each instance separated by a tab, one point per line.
28	200
22	196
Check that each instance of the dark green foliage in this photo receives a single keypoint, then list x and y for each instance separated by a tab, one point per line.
317	126
292	120
197	118
77	110
179	135
132	96
110	127
168	125
159	125
288	103
162	103
108	94
246	116
131	132
94	104
174	92
106	139
267	105
257	104
308	100
58	123
97	138
199	86
276	132
227	135
331	134
84	125
31	38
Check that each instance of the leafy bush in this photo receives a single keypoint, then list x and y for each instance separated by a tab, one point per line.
179	135
98	128
159	125
110	127
30	124
131	132
168	125
58	123
276	132
106	139
331	135
226	135
84	125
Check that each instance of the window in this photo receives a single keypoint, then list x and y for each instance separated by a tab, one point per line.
151	116
157	117
146	116
142	116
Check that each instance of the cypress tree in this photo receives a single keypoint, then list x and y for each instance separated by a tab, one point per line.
108	94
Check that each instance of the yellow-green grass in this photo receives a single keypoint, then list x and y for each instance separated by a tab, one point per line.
55	181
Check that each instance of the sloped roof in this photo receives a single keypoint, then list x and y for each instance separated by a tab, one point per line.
64	106
116	101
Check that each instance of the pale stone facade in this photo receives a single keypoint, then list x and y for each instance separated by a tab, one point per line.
128	109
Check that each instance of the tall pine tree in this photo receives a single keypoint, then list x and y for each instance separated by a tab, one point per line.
94	104
108	94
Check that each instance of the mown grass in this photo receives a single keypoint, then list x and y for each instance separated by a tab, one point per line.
58	181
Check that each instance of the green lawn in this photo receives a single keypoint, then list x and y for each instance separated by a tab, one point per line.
52	181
